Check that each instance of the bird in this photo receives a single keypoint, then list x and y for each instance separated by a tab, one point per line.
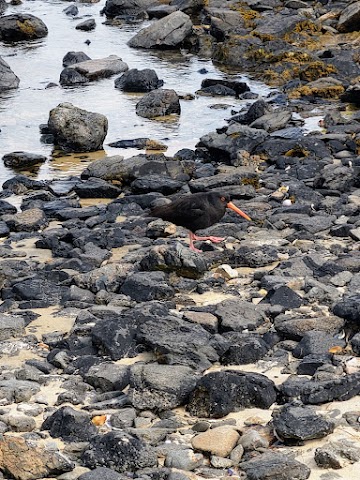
197	211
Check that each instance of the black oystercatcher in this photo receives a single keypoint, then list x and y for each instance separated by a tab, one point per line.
197	211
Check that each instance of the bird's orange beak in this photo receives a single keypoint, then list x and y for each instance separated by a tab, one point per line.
237	210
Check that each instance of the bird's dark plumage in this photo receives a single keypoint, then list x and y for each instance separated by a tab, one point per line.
194	212
200	210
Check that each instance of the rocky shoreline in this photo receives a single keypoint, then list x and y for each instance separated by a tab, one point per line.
126	355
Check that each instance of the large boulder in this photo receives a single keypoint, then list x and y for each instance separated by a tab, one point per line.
168	32
77	130
21	26
8	79
158	103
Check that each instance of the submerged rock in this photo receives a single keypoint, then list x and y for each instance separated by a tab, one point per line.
21	26
22	159
77	130
158	103
135	80
8	79
94	69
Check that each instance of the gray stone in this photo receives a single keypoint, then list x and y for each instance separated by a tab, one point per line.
295	327
337	454
158	103
127	170
252	440
86	25
316	342
125	8
156	183
21	26
178	342
275	466
237	137
239	315
8	79
70	77
146	286
349	18
277	25
18	423
184	459
135	80
169	31
96	188
243	348
17	390
176	258
74	57
273	121
108	277
300	423
160	387
77	130
317	392
108	376
123	418
27	221
100	68
102	473
10	326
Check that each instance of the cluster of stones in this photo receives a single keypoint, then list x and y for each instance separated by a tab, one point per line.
148	382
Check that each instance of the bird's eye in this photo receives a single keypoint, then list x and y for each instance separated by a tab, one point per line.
223	199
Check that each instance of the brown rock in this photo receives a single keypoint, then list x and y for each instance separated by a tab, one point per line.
217	441
24	461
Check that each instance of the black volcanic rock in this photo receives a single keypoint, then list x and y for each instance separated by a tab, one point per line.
298	423
219	393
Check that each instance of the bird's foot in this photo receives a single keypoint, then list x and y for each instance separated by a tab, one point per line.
212	239
194	249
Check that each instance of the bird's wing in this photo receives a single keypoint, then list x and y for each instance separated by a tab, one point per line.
179	212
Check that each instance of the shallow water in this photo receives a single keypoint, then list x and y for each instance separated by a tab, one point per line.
39	62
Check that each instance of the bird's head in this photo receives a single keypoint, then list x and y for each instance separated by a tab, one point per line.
225	201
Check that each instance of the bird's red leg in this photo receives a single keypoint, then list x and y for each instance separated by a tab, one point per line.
212	239
192	247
